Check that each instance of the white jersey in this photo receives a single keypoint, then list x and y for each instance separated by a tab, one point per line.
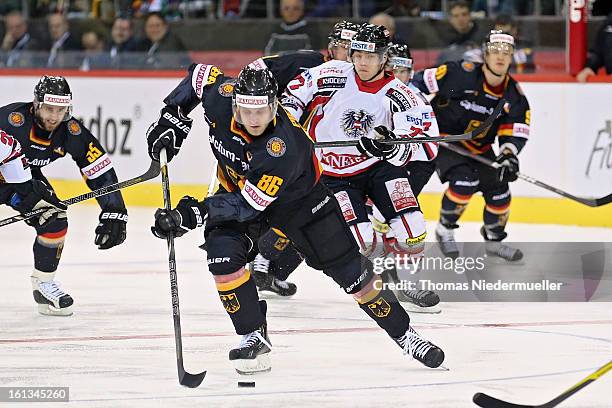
12	168
337	106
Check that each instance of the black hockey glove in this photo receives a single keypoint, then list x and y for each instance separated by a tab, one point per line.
509	166
111	231
188	214
168	132
374	148
33	195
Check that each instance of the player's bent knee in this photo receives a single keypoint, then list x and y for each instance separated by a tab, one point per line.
353	275
226	251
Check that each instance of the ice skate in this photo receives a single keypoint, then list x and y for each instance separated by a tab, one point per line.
416	301
496	248
51	299
420	349
253	353
446	240
269	283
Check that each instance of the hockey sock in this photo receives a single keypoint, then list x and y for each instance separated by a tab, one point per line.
238	295
49	244
453	205
496	213
382	306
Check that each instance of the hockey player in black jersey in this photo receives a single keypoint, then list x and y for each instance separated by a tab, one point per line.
269	178
47	132
271	276
465	94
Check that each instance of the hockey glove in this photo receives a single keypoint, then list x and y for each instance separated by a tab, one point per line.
111	231
188	214
169	132
33	195
509	166
374	148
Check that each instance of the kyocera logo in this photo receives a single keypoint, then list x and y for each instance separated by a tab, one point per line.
576	7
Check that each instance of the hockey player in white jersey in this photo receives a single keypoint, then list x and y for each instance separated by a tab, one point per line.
359	100
419	171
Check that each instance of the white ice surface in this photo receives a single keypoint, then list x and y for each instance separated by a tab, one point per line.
117	350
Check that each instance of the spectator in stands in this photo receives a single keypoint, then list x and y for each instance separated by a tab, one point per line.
93	47
463	34
293	33
122	38
522	61
16	39
388	22
62	39
600	55
159	39
404	8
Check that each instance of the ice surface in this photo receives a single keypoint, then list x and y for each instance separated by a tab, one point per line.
117	350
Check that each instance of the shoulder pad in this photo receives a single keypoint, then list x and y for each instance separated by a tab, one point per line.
204	75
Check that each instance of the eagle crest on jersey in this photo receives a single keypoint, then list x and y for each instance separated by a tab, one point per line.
357	124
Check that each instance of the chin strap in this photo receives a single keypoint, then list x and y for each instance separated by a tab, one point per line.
493	72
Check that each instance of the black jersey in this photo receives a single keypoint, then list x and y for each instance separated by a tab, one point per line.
463	101
276	167
70	138
288	65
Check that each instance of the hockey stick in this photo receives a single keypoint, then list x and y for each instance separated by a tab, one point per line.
591	202
484	127
185	378
150	174
486	401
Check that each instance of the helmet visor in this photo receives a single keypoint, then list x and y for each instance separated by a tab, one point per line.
254	110
58	101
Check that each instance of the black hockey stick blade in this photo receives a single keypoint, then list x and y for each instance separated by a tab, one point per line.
150	174
484	127
486	401
190	380
591	202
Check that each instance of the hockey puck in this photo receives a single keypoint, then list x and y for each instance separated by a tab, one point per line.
246	383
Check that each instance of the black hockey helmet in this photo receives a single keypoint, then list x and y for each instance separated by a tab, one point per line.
255	88
399	57
343	31
371	38
53	90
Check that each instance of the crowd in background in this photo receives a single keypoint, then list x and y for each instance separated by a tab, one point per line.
118	43
176	9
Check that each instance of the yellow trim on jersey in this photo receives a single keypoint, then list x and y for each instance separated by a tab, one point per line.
530	210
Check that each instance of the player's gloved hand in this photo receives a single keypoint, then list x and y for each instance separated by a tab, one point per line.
111	231
374	148
168	132
509	166
34	195
188	214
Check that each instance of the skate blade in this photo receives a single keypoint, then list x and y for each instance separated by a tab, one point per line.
411	307
49	310
270	294
260	364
